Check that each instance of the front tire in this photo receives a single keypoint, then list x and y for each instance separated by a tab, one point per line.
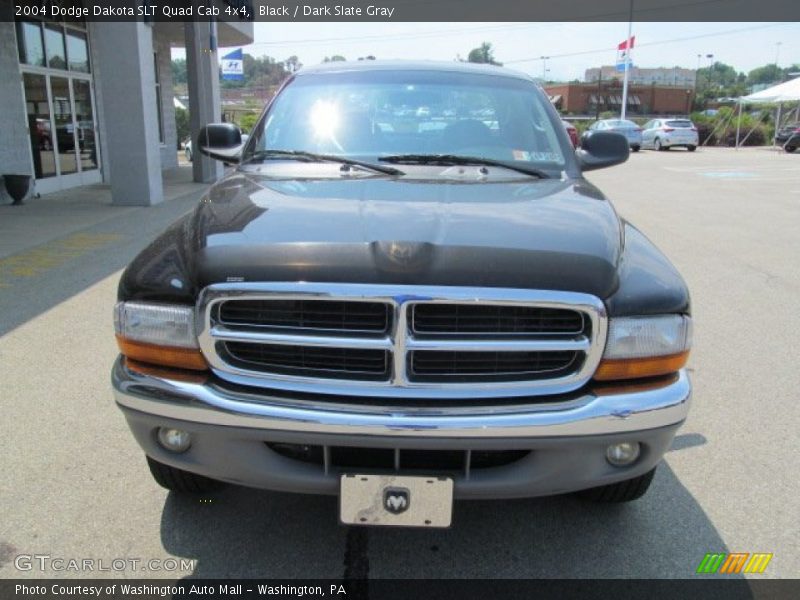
178	480
790	149
691	148
622	491
636	148
657	145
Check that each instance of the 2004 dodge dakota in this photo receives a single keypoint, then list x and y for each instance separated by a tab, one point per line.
405	293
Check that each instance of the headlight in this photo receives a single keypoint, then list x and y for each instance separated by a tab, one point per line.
645	347
162	334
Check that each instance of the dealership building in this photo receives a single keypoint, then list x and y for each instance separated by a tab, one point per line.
91	102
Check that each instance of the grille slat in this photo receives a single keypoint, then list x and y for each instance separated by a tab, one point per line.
433	365
483	319
307	315
309	361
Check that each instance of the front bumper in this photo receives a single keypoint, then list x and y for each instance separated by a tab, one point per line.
566	437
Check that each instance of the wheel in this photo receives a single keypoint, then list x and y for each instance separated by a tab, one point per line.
188	155
181	481
691	148
635	148
657	145
622	491
790	149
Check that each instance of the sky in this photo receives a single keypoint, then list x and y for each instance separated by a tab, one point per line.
573	47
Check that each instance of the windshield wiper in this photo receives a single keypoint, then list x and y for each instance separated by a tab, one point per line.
314	157
455	159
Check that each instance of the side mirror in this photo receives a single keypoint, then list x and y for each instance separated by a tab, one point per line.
220	141
600	149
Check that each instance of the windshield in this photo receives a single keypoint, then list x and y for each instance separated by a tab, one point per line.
620	124
680	123
367	115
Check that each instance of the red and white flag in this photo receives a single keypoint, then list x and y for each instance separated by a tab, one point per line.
624	53
627	43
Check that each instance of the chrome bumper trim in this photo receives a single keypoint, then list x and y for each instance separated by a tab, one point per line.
589	414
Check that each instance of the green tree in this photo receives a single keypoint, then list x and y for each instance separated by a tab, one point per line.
248	121
483	54
178	70
334	58
766	74
292	64
182	124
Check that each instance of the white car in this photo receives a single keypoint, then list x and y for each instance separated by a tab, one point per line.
663	134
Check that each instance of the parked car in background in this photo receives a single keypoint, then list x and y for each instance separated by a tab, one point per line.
627	128
663	134
572	132
789	137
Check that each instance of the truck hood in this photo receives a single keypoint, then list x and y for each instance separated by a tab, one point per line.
545	234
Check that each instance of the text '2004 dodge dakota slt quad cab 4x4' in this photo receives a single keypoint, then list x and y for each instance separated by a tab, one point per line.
406	293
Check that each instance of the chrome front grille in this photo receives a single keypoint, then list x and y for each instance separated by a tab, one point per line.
401	341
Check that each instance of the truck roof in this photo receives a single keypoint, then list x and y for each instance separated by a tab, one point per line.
413	65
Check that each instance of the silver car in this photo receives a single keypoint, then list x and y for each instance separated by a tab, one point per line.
627	128
663	134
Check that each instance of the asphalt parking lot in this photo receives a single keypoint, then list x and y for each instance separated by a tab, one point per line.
75	484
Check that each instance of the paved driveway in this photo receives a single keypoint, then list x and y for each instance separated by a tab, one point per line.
75	484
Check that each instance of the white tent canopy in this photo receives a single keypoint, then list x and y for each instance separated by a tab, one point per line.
788	91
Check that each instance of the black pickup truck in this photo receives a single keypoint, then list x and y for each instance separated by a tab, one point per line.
405	293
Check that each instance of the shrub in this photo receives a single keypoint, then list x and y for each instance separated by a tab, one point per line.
181	124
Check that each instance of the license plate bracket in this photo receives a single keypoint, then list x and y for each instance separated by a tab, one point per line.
396	500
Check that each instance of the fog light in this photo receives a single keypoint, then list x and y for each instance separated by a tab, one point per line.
174	440
622	454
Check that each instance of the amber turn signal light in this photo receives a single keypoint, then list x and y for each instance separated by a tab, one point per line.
171	356
637	368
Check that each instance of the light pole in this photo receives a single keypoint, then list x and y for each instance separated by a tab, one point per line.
544	66
710	58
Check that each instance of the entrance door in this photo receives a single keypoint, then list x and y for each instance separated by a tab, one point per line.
62	130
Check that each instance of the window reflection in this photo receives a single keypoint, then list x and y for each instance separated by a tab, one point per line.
84	117
54	43
38	110
77	51
29	40
65	128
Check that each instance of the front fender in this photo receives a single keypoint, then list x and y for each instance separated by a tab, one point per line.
648	282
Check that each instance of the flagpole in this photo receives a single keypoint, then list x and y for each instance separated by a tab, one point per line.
627	64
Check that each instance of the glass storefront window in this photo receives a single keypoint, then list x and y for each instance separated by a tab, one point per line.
38	110
77	51
54	43
29	40
65	126
84	117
